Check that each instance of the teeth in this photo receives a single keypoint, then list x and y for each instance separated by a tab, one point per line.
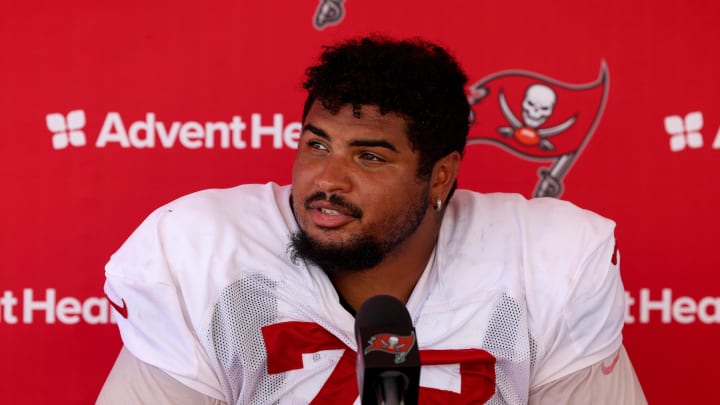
329	212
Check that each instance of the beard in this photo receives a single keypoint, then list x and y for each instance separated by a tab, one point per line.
360	252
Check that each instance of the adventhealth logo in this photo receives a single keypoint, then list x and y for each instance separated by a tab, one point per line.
685	132
152	132
67	129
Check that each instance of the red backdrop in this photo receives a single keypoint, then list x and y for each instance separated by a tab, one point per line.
110	110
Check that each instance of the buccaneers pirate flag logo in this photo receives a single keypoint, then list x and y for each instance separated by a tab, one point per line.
538	118
398	345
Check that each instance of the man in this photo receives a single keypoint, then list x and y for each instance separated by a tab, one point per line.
247	295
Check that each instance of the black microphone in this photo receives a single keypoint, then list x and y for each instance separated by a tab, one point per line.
388	360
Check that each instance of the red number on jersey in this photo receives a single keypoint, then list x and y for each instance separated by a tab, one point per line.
286	343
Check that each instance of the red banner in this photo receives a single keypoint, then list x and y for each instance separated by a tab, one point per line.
110	110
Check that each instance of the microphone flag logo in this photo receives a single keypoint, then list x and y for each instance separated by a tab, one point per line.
400	346
539	118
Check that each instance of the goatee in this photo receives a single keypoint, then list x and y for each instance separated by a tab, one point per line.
355	255
363	251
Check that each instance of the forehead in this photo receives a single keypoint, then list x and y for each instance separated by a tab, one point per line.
363	121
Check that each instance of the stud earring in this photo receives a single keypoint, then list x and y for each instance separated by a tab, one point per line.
438	204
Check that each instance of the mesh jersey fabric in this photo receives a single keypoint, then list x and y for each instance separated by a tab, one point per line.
213	299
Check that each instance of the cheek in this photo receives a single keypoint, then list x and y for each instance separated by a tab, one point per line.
300	173
394	201
298	185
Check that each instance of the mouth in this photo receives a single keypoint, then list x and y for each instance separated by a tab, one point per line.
328	218
328	211
331	213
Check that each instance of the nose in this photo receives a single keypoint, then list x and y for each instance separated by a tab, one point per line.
333	176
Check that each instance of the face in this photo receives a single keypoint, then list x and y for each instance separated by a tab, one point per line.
356	194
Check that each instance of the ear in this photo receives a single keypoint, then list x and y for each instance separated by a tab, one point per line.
444	175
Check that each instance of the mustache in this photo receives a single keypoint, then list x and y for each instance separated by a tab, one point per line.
351	208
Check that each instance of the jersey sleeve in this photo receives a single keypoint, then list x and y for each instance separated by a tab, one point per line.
611	381
132	381
585	297
152	315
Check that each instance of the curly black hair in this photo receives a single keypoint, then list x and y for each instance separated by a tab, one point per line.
414	78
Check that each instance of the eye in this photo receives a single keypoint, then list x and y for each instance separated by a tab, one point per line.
317	145
371	157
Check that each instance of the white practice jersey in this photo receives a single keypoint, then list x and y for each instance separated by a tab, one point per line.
517	294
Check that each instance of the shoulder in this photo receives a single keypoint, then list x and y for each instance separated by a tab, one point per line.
208	223
250	208
533	215
541	232
545	251
241	201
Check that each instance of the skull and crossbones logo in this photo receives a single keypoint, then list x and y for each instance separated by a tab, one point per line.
537	107
392	344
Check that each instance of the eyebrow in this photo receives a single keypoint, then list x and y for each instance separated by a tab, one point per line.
317	131
358	142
